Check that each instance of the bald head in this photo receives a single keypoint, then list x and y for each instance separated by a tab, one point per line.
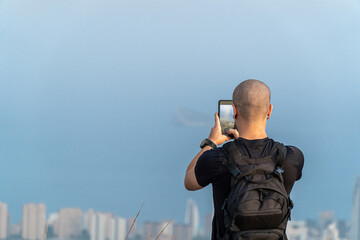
252	99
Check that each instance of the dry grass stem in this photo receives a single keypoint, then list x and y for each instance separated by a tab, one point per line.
132	225
328	238
46	230
150	236
163	230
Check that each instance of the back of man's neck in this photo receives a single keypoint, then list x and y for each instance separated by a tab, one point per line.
252	131
253	136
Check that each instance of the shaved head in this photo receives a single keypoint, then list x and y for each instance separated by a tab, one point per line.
252	99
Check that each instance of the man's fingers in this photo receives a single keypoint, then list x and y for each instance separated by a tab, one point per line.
217	121
233	132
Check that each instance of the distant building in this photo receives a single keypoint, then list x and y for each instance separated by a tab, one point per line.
119	229
88	220
337	230
99	226
297	230
325	219
15	230
33	221
154	229
3	220
104	226
310	230
208	224
182	232
355	218
313	230
53	221
69	223
134	231
192	217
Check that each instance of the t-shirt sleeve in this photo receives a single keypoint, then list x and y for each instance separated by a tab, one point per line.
208	167
297	160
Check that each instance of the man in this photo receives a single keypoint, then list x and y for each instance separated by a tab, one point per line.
252	109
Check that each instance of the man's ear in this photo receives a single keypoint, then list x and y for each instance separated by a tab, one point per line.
270	110
235	112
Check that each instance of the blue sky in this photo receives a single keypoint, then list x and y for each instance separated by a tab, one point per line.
104	103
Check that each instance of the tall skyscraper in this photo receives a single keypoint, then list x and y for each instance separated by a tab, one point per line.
33	221
119	229
99	225
3	220
192	217
355	218
104	226
69	223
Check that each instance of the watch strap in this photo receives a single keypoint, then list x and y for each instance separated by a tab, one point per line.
207	142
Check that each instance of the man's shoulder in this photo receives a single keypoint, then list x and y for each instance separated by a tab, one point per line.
294	153
291	151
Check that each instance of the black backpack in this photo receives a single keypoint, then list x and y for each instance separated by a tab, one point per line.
258	206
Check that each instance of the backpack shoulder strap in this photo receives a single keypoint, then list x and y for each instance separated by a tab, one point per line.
232	151
280	150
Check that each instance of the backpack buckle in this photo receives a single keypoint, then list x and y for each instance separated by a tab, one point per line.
236	172
279	170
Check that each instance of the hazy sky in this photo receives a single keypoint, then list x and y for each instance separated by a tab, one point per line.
104	103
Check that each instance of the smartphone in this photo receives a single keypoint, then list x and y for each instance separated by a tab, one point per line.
226	113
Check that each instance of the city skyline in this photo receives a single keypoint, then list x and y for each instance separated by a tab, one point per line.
37	211
70	223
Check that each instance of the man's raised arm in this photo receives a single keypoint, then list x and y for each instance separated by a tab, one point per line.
190	181
216	137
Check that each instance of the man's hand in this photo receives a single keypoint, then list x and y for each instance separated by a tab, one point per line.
234	132
216	135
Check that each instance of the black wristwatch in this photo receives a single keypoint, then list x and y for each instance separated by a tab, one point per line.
207	142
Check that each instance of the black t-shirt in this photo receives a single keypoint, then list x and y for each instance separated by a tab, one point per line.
209	169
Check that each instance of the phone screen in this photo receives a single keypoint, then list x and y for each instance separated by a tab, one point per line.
226	113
